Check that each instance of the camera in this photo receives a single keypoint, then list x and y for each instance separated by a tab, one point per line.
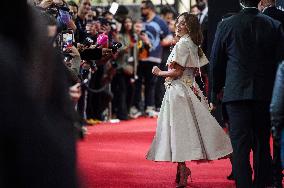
115	46
88	41
60	13
54	9
84	72
105	22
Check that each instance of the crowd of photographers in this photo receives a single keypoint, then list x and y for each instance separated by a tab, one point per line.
110	58
73	29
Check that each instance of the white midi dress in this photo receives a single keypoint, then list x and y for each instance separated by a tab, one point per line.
186	130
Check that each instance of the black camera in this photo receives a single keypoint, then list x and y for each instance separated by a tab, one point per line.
85	72
115	46
88	41
53	9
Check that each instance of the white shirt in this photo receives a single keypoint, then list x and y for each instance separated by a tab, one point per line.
203	14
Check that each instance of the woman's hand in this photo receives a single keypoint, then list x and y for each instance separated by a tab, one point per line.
212	106
167	79
156	71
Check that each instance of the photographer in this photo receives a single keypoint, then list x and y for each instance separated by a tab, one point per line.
84	8
70	56
73	60
73	10
99	86
59	9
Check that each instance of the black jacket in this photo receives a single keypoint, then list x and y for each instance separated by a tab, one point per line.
244	57
277	103
274	13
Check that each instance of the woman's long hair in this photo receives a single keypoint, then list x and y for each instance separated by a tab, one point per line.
123	29
194	29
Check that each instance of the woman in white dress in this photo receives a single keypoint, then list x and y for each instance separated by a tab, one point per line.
186	130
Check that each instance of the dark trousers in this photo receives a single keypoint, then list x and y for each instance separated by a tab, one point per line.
250	130
122	91
144	73
277	167
97	102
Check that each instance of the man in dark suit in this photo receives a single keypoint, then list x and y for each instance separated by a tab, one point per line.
203	20
244	58
269	8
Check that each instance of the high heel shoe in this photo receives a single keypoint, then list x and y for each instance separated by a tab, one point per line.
184	173
231	176
177	175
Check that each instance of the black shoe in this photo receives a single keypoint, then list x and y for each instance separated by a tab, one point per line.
231	176
123	117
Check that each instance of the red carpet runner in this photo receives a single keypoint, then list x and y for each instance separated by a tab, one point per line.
113	156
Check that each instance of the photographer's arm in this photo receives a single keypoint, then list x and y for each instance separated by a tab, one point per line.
45	4
96	53
75	66
91	54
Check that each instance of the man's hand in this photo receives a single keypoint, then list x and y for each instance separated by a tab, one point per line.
81	47
45	4
145	38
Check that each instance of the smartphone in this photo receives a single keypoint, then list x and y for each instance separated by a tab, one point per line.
67	39
143	32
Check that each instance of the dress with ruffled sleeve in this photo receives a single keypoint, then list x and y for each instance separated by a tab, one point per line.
186	130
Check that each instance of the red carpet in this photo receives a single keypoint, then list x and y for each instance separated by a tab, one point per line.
113	156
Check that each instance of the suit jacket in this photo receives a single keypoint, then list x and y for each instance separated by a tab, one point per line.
204	29
277	102
244	57
275	13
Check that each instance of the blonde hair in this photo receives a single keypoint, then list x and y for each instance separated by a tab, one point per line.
194	29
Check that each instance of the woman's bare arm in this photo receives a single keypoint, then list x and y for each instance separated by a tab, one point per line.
174	72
